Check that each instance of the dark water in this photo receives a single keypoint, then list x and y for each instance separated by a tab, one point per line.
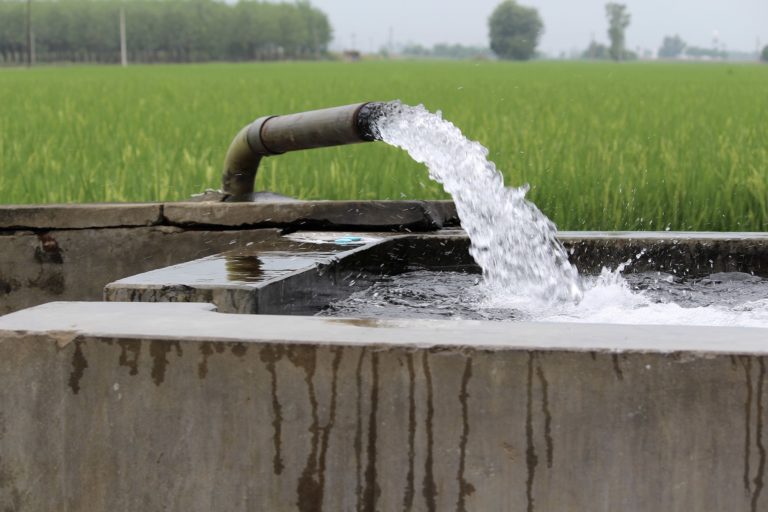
650	297
721	289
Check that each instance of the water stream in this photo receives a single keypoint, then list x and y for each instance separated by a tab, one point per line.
525	269
512	241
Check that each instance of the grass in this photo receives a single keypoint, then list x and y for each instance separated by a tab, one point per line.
604	146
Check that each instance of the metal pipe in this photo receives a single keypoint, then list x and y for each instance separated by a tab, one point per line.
275	135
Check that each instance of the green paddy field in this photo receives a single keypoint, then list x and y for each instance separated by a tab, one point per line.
602	145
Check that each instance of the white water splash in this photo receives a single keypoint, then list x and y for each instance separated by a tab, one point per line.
525	268
512	241
609	299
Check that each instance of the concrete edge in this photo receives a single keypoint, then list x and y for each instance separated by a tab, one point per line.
244	294
80	216
411	215
368	215
414	215
200	322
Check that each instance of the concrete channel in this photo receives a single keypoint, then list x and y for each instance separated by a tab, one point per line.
161	403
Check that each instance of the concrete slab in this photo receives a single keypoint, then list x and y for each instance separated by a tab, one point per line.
268	211
190	321
295	274
80	216
360	215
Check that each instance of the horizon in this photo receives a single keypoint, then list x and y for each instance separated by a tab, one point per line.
568	28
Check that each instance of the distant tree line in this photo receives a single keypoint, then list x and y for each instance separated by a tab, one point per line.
447	51
673	47
163	30
599	51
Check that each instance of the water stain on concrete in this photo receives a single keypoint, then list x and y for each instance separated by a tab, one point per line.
51	282
48	256
238	349
206	351
48	251
358	442
409	478
129	355
8	285
79	364
617	367
545	410
531	459
754	408
357	322
270	355
371	492
10	497
465	488
747	364
429	488
158	350
338	353
309	493
759	478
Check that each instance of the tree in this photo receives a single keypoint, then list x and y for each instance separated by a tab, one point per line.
618	21
514	30
163	30
764	55
671	47
705	53
596	51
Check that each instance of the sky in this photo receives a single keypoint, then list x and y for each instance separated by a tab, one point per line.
569	25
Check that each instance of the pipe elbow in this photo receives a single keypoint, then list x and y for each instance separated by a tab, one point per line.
241	163
274	135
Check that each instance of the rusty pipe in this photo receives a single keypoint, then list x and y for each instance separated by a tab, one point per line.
275	135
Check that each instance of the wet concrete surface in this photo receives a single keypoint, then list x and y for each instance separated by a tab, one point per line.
294	274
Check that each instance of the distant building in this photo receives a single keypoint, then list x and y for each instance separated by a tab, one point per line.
351	55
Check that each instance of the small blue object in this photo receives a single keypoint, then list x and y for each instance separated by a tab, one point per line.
347	239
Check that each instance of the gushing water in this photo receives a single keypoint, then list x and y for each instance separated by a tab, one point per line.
512	241
526	272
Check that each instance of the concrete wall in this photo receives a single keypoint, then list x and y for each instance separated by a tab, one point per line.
128	422
38	267
70	252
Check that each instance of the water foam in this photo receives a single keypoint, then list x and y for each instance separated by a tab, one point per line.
609	299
